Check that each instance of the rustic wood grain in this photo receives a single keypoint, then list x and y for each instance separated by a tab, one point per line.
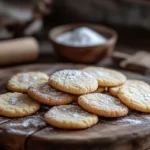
13	134
127	133
108	134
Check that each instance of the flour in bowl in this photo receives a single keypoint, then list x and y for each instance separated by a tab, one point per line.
81	37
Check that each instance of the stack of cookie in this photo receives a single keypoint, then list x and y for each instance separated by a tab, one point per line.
78	97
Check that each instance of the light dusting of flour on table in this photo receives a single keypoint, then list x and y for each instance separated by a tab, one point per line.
130	121
24	124
80	37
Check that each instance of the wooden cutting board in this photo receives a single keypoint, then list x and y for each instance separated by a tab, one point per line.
31	133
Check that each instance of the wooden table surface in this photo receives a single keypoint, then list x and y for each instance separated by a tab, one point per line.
27	133
124	44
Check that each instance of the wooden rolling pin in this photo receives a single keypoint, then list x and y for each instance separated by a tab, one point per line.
18	50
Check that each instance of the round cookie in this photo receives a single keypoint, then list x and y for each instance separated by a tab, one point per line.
73	82
99	90
102	105
135	97
106	77
44	93
17	105
114	90
21	81
70	117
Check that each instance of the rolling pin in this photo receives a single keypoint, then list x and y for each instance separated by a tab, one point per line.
18	50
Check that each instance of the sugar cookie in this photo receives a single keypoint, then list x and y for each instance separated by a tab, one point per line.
99	90
44	93
102	105
135	97
73	82
70	117
114	90
106	77
21	81
17	105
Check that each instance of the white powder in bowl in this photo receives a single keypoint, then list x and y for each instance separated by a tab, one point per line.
81	37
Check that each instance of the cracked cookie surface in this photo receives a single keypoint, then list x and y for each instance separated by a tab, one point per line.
114	90
20	82
135	97
73	82
17	105
70	117
102	105
44	93
106	77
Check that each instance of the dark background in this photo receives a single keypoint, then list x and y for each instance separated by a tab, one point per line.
130	18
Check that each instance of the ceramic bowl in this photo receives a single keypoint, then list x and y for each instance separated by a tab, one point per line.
87	54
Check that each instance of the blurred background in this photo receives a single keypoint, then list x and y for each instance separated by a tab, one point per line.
130	19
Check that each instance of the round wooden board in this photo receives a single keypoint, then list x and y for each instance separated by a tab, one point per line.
127	133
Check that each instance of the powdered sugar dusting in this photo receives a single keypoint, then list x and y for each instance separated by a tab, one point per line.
75	114
53	111
102	73
75	81
25	77
107	100
45	88
34	77
68	111
13	100
50	92
71	74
